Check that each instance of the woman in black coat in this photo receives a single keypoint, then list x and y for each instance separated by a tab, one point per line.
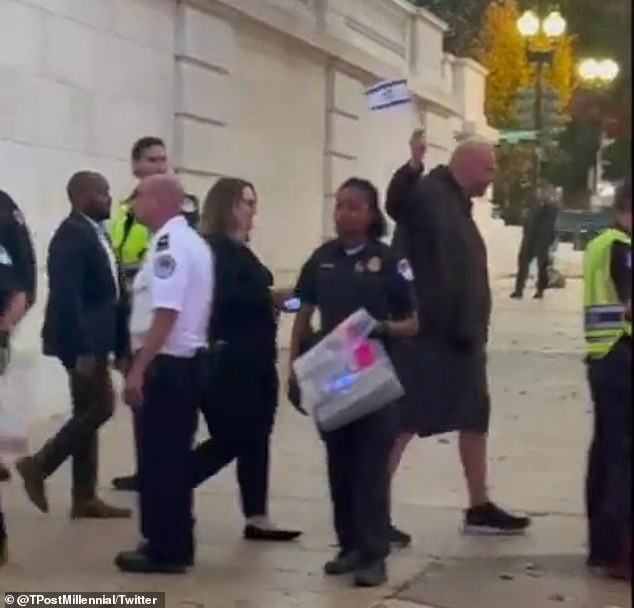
243	390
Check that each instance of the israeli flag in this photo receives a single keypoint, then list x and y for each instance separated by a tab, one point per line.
388	94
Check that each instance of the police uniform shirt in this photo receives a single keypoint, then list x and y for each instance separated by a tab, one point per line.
177	274
17	256
339	282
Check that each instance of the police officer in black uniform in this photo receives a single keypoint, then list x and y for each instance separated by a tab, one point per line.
17	295
356	270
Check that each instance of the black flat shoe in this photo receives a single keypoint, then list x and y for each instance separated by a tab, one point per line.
138	562
256	533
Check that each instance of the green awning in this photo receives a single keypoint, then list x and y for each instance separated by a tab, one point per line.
517	137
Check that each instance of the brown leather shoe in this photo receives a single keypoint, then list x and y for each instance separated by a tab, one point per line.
5	474
98	509
33	482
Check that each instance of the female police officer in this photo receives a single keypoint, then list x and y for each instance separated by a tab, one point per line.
356	270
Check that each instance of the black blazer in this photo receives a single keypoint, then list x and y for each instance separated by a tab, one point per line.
80	317
243	315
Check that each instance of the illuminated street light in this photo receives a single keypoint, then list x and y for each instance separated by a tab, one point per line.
554	25
599	74
528	24
598	70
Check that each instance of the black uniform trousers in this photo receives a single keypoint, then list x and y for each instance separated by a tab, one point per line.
358	455
526	256
609	475
93	405
166	426
239	410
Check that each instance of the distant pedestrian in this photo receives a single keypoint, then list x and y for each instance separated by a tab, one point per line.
537	239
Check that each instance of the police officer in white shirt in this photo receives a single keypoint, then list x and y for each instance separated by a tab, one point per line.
171	306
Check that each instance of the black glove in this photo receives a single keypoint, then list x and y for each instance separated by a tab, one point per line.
380	332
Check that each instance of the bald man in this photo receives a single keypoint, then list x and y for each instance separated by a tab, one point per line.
79	330
444	370
171	306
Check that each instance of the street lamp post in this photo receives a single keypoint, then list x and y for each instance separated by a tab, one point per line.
598	74
552	27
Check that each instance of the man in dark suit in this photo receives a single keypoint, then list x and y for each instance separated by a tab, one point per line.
79	330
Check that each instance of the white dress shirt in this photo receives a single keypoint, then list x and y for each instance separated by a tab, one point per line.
107	247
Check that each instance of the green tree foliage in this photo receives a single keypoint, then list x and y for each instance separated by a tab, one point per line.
463	18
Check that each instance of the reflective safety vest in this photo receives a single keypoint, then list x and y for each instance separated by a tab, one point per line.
605	322
130	240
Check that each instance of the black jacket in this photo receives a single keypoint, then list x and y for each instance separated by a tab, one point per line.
243	313
400	187
437	233
81	307
539	227
17	256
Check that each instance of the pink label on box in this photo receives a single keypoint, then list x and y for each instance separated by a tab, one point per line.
364	355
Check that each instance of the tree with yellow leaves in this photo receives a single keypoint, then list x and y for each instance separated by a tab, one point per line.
502	50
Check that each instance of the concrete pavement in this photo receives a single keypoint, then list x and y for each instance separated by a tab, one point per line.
539	436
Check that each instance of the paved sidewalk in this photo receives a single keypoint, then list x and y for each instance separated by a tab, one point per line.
538	443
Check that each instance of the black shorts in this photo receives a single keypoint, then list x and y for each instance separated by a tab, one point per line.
446	389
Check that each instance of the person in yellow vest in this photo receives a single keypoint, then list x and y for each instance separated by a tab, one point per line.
608	333
130	240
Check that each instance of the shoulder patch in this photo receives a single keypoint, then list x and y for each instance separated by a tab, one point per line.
164	266
163	242
405	270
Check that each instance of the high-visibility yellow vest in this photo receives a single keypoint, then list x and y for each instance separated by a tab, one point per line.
605	322
130	240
